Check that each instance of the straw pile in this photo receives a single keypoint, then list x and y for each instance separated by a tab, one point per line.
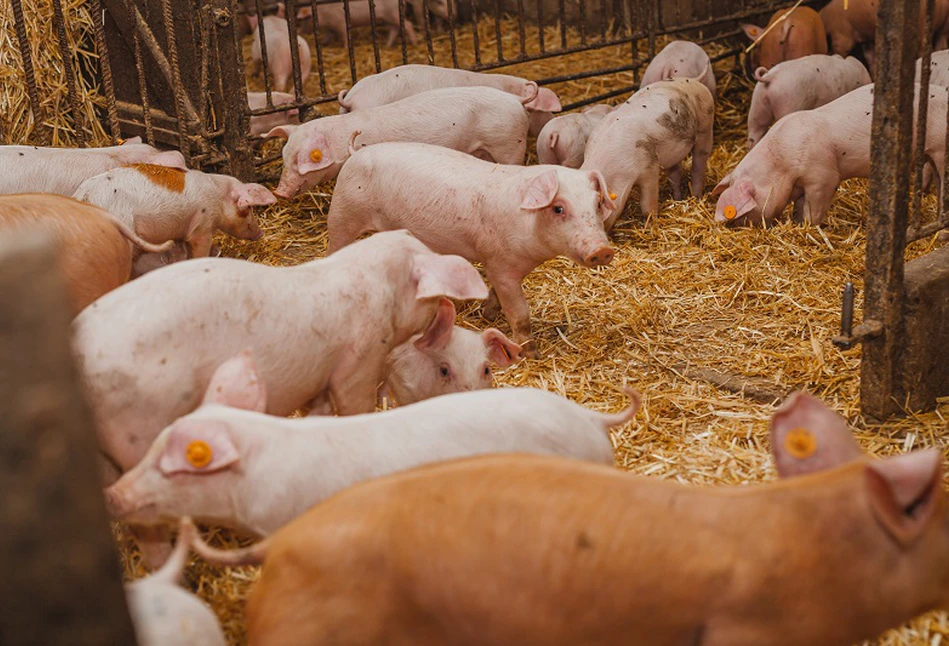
682	294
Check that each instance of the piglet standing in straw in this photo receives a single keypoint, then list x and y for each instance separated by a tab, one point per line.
510	218
512	550
681	59
229	464
564	138
279	56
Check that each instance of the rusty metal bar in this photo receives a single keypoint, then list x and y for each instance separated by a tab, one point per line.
295	65
897	42
582	10
177	87
914	234
203	45
372	35
563	24
427	25
315	19
603	21
349	41
451	33
520	27
540	25
140	73
653	28
59	22
106	66
233	109
264	59
919	158
26	57
405	51
497	28
474	32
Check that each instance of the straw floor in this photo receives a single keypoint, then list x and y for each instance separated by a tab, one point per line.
682	293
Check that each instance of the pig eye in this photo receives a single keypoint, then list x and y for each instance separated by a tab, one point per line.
558	210
444	370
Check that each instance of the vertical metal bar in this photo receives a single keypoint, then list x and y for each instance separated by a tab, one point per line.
427	24
405	52
171	43
563	24
296	71
603	13
474	31
59	22
314	17
26	57
633	13
582	10
943	208
520	27
233	109
653	26
264	60
349	40
105	65
451	33
140	72
540	26
897	42
919	159
498	9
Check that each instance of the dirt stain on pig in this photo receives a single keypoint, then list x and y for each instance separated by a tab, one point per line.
679	119
584	542
171	178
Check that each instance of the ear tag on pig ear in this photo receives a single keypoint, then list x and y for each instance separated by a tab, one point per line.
612	195
730	212
199	454
316	155
800	443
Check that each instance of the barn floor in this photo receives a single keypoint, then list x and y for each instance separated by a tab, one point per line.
683	294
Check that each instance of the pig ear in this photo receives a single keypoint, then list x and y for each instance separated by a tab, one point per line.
438	332
236	383
196	446
545	101
169	158
722	185
281	10
903	491
752	31
248	195
608	205
132	140
281	132
315	154
807	436
541	191
501	350
744	198
452	276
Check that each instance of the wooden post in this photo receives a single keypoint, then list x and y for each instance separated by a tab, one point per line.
61	582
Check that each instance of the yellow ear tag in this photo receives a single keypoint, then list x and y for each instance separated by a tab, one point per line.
120	141
316	155
800	443
612	196
199	454
730	212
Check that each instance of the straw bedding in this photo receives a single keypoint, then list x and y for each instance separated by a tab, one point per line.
683	294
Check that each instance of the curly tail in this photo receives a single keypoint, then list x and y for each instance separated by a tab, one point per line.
352	142
343	107
612	420
533	89
253	555
174	567
763	75
126	231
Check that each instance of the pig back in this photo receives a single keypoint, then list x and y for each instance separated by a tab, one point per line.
94	256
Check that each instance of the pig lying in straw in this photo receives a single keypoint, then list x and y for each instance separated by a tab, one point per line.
793	35
681	59
28	169
169	204
792	164
482	121
510	218
657	128
163	613
229	464
145	371
539	550
279	61
406	80
801	84
564	138
95	252
456	362
264	123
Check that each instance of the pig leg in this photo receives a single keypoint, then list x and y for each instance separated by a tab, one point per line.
320	406
510	294
649	191
343	227
700	154
675	178
353	386
154	543
817	200
491	308
200	244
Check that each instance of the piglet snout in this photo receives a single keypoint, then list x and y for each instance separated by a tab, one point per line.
599	257
115	502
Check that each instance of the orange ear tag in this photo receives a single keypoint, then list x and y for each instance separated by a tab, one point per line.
612	196
800	443
730	212
199	454
316	155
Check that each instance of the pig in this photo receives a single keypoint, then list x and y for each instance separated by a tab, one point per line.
564	138
406	80
854	22
95	248
332	17
656	128
321	333
831	557
681	59
939	68
510	218
263	123
800	84
460	362
481	121
791	164
229	464
30	169
161	203
164	613
279	62
800	33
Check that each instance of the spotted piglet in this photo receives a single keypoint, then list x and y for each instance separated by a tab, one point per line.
161	204
460	361
657	128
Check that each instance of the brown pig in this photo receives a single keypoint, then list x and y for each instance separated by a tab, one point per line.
801	33
95	248
530	550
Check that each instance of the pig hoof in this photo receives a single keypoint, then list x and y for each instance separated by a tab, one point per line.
529	350
491	311
215	251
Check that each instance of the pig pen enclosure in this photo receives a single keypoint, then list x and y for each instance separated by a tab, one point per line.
713	325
